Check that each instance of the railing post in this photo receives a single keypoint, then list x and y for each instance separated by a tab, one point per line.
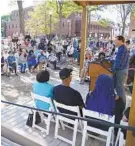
130	139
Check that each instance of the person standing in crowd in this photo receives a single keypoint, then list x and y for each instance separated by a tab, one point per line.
59	50
84	70
70	53
75	45
71	97
120	67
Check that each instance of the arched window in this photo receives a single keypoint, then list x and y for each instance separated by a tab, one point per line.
63	24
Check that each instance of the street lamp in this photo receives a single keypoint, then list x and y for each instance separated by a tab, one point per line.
50	21
68	26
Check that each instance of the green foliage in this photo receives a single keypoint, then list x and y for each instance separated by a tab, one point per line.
5	18
104	22
39	21
133	10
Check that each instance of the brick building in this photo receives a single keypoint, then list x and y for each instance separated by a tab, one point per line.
71	26
13	27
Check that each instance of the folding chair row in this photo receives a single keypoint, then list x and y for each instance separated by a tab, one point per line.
76	124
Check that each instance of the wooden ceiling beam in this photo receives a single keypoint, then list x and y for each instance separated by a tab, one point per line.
104	2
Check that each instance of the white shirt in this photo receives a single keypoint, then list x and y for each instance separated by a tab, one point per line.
70	50
59	48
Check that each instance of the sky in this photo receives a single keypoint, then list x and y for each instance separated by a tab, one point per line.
5	8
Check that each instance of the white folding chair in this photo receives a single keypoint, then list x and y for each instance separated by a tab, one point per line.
122	141
109	134
45	119
120	136
62	119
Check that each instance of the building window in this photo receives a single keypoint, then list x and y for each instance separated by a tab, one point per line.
9	26
16	25
12	25
63	24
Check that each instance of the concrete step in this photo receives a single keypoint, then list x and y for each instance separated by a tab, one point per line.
7	142
18	137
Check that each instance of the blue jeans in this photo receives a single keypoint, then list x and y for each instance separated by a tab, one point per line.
120	80
23	67
75	54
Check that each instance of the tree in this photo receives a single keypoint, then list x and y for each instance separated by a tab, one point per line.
91	9
21	16
41	15
64	9
105	22
4	20
19	3
124	11
39	21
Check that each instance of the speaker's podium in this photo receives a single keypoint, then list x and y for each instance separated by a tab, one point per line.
97	68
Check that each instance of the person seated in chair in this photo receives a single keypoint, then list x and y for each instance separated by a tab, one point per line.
103	100
66	95
43	88
53	60
42	60
12	62
101	57
2	62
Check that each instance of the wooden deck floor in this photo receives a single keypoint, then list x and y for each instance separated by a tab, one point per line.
17	117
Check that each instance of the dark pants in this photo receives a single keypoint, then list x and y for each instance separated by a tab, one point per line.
54	64
13	67
58	56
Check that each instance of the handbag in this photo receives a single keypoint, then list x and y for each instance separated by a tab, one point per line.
29	121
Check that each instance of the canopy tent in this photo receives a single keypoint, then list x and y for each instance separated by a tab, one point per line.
130	141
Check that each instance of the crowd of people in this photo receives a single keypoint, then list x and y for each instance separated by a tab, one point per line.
33	54
108	96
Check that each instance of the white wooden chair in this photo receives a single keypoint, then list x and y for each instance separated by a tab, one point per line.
62	119
45	119
109	134
120	135
122	141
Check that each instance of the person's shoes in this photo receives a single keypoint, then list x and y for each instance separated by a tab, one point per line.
81	82
16	74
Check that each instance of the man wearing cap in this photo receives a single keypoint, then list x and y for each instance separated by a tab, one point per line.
65	94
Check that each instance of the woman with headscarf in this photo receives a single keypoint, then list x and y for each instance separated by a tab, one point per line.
103	100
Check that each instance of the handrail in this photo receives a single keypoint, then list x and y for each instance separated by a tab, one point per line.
97	121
